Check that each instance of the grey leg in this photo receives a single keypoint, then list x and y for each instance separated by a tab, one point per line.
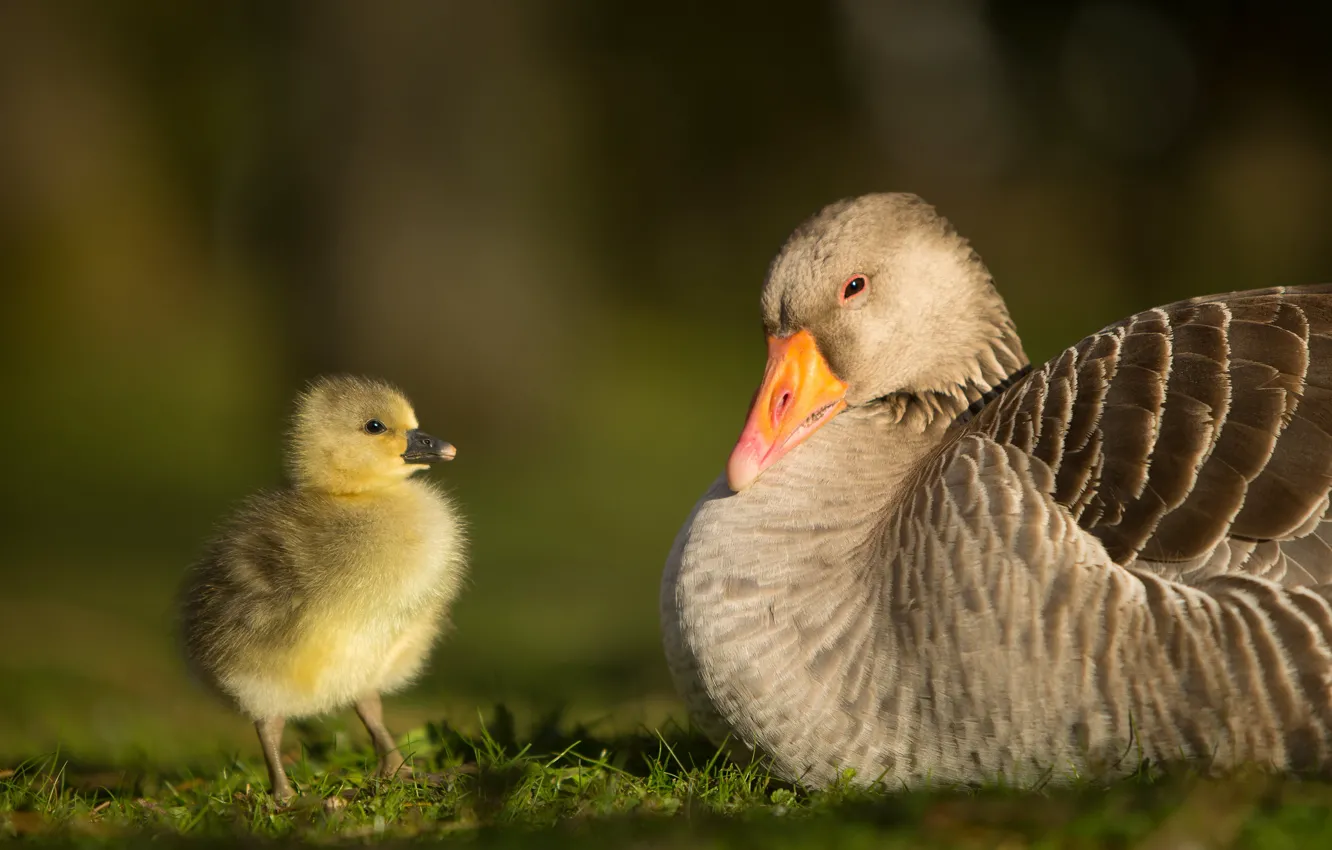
270	738
371	712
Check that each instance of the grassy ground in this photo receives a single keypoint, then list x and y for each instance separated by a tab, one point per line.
556	787
560	610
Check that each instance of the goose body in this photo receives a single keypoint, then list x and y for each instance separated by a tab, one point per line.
930	562
330	592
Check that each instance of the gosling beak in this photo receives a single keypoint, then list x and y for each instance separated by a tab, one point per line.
423	448
798	395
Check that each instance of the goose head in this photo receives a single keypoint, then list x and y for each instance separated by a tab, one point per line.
353	435
874	303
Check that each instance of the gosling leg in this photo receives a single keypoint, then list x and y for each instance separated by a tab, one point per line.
371	712
270	739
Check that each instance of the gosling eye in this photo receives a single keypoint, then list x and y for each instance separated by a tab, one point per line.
374	426
855	285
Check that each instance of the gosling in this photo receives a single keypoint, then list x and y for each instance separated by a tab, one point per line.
331	591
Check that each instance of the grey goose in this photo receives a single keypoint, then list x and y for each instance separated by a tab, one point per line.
929	562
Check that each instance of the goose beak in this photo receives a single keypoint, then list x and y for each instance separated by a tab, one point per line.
799	393
423	448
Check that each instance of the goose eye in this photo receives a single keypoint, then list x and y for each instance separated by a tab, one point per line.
374	426
853	287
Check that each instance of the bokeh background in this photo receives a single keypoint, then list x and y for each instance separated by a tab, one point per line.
548	221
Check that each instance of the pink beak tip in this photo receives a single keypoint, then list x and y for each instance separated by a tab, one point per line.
743	467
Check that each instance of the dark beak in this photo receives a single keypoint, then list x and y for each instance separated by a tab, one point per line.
423	448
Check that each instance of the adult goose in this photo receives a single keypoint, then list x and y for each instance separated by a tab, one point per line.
931	563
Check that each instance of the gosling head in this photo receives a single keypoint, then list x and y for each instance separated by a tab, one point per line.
353	435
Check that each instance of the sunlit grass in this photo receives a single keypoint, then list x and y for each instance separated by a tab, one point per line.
564	786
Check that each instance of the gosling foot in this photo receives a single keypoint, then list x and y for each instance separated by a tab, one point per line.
392	765
270	740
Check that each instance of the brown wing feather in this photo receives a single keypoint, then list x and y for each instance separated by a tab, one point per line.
1196	436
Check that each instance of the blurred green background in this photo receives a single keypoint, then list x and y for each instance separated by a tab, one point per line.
549	222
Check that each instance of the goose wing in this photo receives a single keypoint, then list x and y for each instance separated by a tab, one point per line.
1193	439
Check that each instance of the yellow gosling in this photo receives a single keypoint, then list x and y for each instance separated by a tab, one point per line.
331	591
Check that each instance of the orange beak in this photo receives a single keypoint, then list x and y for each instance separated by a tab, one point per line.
799	394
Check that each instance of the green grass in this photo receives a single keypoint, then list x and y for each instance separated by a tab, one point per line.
556	787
